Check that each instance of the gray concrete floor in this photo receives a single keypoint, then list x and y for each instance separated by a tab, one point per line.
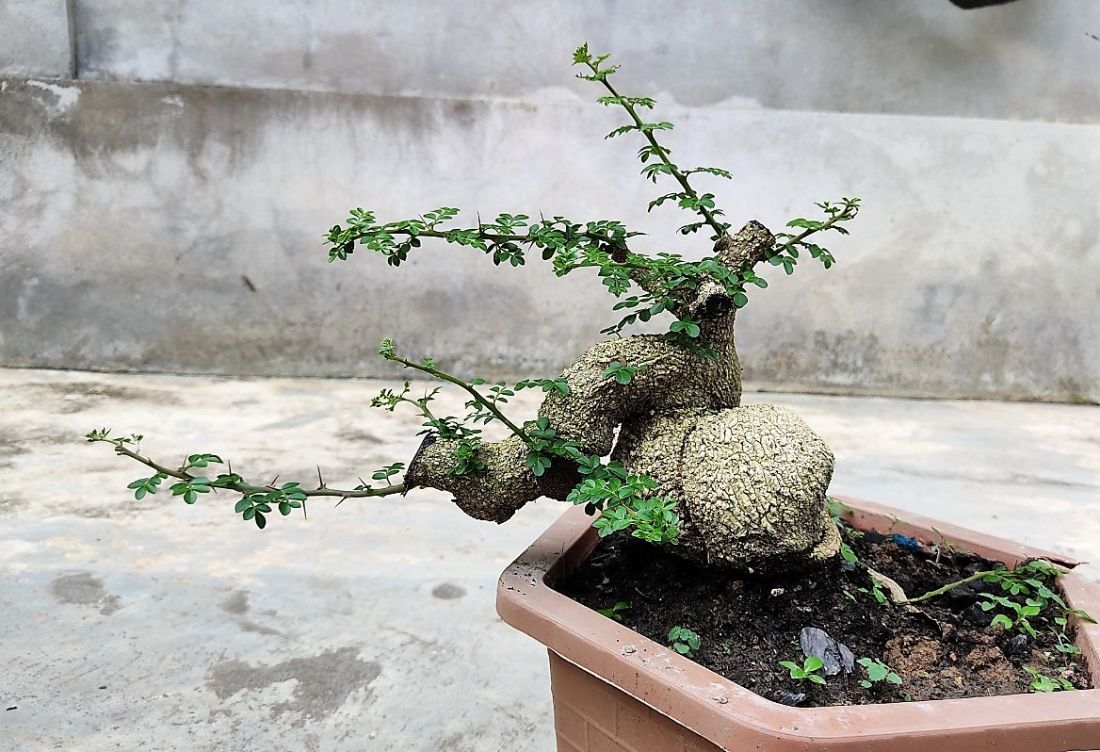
154	625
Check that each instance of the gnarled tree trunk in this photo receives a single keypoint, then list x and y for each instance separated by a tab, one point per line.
749	482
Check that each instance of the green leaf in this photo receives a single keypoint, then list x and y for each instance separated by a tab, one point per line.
537	463
202	460
876	671
387	472
685	326
662	199
711	170
144	486
615	612
589	464
622	373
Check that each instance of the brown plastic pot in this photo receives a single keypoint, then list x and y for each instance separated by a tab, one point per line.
617	691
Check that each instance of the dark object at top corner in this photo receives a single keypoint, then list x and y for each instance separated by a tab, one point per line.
973	4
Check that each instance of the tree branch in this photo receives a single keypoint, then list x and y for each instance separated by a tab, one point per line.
949	587
247	488
661	152
389	354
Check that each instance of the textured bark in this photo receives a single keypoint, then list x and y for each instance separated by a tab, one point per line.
749	482
497	492
745	249
671	377
493	494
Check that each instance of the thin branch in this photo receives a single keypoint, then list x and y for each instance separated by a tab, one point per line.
422	406
493	237
846	213
661	152
951	586
808	232
247	488
478	398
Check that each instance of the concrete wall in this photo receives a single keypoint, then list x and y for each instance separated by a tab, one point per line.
163	210
36	38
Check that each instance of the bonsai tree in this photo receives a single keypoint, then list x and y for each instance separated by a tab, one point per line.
690	468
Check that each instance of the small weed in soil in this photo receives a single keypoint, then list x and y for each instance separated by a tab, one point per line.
995	635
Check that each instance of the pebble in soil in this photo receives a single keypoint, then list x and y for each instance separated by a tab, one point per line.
946	649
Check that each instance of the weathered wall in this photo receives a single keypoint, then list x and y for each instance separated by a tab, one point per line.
174	224
1030	60
35	38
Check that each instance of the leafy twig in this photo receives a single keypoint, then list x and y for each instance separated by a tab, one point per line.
389	351
256	499
690	198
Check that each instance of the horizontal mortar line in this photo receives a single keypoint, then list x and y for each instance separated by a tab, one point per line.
555	102
756	389
916	394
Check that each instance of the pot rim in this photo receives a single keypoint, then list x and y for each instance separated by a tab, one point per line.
722	711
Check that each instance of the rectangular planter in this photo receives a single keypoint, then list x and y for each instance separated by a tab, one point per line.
616	690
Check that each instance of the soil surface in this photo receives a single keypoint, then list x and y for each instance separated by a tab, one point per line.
945	648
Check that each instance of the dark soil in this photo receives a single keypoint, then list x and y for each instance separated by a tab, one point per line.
947	649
